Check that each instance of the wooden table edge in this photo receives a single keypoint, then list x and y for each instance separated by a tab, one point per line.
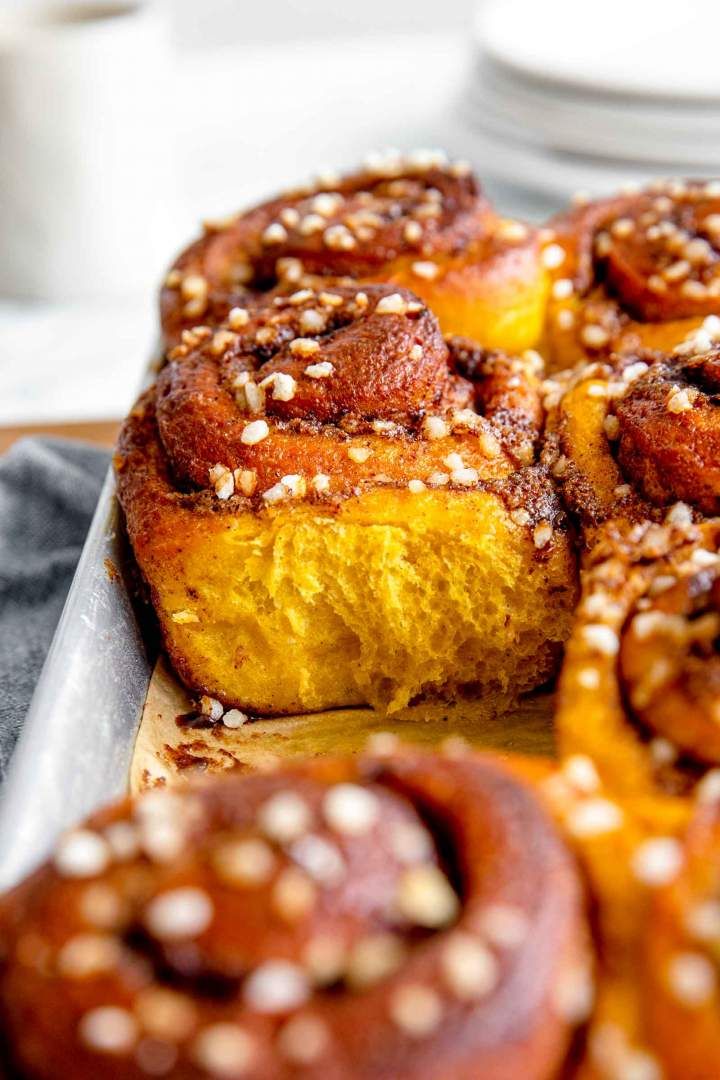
97	432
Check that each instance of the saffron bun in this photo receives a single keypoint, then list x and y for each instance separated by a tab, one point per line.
355	516
629	438
400	914
419	222
679	962
223	928
621	854
669	430
632	443
637	270
640	684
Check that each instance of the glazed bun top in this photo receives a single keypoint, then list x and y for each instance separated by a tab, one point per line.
397	209
405	914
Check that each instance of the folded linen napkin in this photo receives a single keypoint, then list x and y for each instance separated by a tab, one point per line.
48	491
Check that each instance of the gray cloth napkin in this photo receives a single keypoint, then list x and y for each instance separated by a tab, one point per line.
48	491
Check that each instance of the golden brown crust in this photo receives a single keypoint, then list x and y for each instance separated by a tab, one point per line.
354	228
418	222
640	683
670	665
634	270
580	443
285	477
669	431
628	437
310	384
624	857
357	366
679	974
402	431
373	397
409	915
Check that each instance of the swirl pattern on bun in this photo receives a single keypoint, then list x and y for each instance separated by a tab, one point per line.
629	437
639	270
418	221
669	431
410	914
640	685
361	368
333	505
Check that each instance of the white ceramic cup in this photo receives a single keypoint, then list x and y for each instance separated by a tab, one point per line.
87	205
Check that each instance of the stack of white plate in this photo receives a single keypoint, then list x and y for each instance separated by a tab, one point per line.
569	96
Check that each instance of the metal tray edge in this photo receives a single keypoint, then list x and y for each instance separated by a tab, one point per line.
76	745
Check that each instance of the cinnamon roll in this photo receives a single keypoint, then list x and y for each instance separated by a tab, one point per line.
640	687
624	857
629	437
419	222
668	434
679	973
332	506
404	915
638	270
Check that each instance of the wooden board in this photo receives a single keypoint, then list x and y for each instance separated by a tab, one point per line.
99	432
168	751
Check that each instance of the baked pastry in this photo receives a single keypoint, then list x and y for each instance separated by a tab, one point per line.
419	222
633	444
628	438
396	915
333	506
679	969
638	270
640	685
180	738
624	858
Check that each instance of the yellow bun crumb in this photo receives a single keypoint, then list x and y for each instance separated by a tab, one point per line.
388	596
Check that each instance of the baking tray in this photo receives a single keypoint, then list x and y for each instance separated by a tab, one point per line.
76	745
103	682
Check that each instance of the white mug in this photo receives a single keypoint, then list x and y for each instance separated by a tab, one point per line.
87	204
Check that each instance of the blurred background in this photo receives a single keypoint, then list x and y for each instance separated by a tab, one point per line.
124	123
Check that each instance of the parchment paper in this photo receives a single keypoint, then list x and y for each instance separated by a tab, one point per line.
169	751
